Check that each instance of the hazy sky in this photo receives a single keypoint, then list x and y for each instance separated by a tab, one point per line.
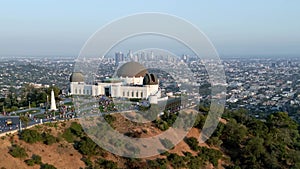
53	27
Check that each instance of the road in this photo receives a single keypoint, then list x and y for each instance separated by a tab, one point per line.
16	121
88	106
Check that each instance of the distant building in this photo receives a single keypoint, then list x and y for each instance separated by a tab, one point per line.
119	57
132	81
129	55
185	58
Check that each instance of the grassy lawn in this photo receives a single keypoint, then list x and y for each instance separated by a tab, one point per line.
29	111
69	104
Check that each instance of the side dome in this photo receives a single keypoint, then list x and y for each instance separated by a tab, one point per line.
131	69
150	79
76	77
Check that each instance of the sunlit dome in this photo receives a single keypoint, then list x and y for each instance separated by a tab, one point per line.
76	77
131	69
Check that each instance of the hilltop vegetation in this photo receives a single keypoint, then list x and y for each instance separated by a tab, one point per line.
253	143
240	141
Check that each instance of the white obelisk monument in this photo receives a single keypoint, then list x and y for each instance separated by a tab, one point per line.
53	104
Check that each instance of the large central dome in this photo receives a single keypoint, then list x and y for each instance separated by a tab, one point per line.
131	69
77	77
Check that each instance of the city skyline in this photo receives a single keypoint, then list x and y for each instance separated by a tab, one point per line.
50	28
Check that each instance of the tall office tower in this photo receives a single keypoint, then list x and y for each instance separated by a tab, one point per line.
142	56
152	55
129	56
119	57
185	58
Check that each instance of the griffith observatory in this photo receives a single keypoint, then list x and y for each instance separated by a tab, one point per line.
131	80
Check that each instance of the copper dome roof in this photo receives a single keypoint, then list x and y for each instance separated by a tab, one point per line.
76	77
131	69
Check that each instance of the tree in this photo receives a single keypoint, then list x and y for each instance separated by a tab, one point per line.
56	91
158	163
253	152
234	133
210	155
200	120
214	141
87	146
25	120
42	97
176	161
195	163
162	125
281	120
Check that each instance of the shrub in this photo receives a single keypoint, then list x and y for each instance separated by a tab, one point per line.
68	135
199	121
166	143
37	159
49	139
193	143
87	146
47	166
196	162
162	125
210	154
170	118
135	163
87	162
134	134
109	118
176	161
102	163
158	163
214	141
17	152
132	148
116	142
30	162
76	129
31	136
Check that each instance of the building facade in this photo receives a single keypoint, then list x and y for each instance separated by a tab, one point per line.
132	81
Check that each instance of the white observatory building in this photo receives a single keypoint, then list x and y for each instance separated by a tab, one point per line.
132	81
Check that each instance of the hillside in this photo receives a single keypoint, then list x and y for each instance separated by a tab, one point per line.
61	152
239	142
